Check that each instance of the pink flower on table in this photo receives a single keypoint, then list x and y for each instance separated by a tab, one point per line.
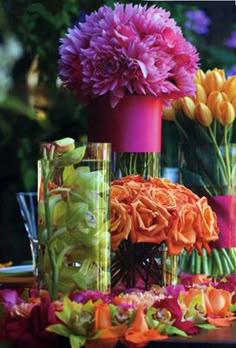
132	49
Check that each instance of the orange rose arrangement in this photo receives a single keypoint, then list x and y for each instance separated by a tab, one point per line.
148	213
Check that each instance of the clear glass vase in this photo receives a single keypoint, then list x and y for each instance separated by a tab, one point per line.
73	219
209	170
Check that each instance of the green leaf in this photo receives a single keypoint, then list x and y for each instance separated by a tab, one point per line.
77	341
59	329
172	330
206	326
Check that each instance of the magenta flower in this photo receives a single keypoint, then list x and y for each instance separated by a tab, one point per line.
172	306
132	49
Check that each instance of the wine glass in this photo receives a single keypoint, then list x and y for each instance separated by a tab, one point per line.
28	208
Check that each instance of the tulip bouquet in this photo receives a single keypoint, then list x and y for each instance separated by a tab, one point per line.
207	156
149	214
95	319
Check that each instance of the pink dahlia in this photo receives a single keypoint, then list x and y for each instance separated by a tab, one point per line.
132	49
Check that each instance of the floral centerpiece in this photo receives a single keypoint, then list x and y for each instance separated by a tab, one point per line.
125	63
148	213
208	158
96	319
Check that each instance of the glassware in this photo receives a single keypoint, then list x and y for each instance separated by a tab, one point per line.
209	170
28	208
73	210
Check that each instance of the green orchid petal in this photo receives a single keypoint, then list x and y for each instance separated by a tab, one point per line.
77	341
152	323
59	329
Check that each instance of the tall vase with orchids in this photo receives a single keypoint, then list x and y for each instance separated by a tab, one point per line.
207	161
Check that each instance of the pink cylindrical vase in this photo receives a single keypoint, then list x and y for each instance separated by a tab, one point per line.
134	125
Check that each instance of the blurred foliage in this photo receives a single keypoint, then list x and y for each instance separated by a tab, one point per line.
37	109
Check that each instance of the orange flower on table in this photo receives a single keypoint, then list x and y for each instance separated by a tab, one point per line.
109	334
120	223
139	334
217	303
181	233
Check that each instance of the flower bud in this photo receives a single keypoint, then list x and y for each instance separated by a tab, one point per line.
64	145
188	106
203	114
169	113
70	158
214	98
225	113
230	87
214	80
200	77
200	95
177	104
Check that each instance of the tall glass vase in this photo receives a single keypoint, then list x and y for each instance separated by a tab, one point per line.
73	219
209	171
134	129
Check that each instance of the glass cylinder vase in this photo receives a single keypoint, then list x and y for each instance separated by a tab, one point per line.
73	219
209	170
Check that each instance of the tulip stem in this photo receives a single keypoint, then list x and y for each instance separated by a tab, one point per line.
219	154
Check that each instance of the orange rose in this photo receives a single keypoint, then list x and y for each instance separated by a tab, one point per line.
148	222
181	233
120	223
128	178
205	225
120	193
162	196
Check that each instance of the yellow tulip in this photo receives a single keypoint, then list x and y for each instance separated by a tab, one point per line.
168	113
214	98
233	102
200	77
177	104
200	94
229	87
203	114
214	80
225	113
188	106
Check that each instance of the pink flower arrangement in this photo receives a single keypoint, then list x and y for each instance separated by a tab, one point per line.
132	49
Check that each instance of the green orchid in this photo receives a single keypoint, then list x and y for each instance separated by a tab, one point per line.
77	322
74	223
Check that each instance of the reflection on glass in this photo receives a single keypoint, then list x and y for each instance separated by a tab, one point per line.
28	208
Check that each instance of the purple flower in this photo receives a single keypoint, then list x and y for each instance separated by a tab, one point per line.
198	21
231	71
231	40
132	49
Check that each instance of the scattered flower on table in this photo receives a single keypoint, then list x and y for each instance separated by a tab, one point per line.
134	317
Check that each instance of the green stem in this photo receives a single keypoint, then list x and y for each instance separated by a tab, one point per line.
227	157
219	153
178	125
